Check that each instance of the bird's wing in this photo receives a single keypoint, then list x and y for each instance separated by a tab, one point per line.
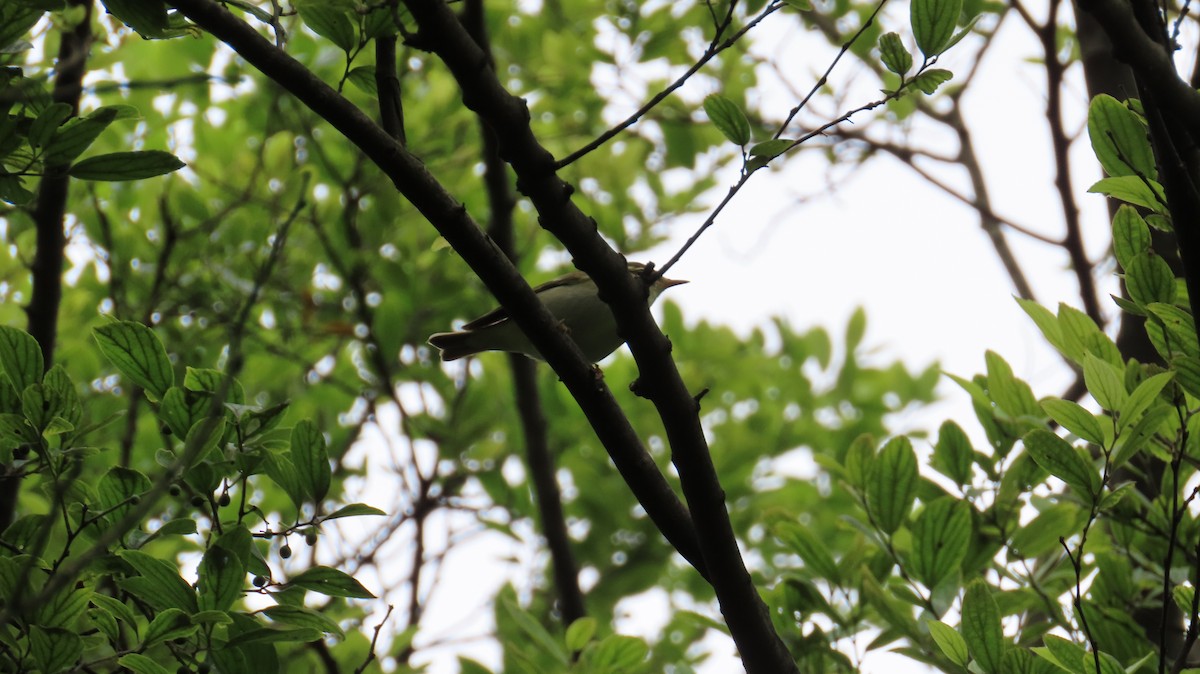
500	314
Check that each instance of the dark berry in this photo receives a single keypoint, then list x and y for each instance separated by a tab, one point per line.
223	500
285	551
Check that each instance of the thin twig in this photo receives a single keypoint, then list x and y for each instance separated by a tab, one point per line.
715	47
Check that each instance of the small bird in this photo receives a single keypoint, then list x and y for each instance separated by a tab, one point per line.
572	298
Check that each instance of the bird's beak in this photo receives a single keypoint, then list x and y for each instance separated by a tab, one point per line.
668	282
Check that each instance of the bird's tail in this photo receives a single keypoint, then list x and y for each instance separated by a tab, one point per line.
453	345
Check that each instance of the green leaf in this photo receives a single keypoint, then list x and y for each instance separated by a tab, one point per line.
1063	652
1108	664
1059	458
20	357
507	606
72	138
105	623
283	472
311	459
580	633
182	526
616	653
54	649
1142	397
1120	139
274	634
181	409
363	77
159	583
1149	279
140	664
15	21
933	23
950	641
1041	534
114	607
1133	440
330	582
300	616
1082	336
953	455
1074	418
148	17
122	166
1133	190
354	510
981	627
63	397
64	608
1187	373
892	484
1105	383
894	55
728	118
1131	235
1183	595
222	579
941	538
13	190
1010	394
1047	322
138	355
43	128
815	554
167	625
1180	328
769	149
859	458
929	80
330	20
117	489
897	615
211	381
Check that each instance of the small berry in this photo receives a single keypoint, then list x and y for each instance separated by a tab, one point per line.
223	500
310	538
175	490
285	551
197	502
259	581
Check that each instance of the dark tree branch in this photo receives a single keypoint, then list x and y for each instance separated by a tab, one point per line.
391	106
745	613
1047	34
539	458
48	215
453	222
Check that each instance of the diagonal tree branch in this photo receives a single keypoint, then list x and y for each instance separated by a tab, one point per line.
745	613
453	222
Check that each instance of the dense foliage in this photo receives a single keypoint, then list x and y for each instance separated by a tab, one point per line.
226	445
